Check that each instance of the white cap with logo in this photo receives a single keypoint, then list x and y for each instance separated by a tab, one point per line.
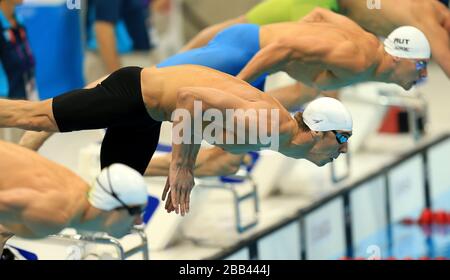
408	42
326	114
120	180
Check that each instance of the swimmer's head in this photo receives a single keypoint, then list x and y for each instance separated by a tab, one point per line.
331	125
411	52
122	191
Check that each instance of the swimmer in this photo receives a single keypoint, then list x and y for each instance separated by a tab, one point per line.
210	162
134	96
343	54
430	16
39	197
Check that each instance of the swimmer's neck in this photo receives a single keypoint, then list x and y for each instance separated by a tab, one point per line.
300	145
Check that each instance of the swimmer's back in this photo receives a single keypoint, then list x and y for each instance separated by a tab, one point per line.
22	166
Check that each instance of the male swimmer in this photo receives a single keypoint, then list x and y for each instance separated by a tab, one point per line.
134	96
430	16
342	55
380	22
39	197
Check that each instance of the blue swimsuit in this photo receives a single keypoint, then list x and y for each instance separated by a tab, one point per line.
228	52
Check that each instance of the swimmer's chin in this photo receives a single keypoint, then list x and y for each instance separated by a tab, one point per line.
324	162
409	86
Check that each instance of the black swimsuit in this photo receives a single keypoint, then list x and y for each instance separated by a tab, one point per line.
116	104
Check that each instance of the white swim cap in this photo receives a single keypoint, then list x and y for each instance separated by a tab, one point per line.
121	180
408	42
326	114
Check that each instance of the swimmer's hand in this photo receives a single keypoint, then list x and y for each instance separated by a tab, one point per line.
179	185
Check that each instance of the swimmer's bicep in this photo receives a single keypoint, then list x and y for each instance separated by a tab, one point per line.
45	218
324	15
10	202
440	46
29	216
309	48
437	35
13	202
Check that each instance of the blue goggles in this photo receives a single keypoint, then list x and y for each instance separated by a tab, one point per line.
421	65
341	138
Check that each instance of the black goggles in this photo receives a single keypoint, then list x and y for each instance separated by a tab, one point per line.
136	210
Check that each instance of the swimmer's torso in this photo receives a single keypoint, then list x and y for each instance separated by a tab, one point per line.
320	75
160	88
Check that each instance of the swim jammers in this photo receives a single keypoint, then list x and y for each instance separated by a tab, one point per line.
116	104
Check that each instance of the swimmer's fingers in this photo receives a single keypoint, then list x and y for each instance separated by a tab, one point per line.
182	197
175	194
166	189
168	205
186	200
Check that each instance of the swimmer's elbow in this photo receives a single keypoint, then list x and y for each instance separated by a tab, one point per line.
185	95
223	167
230	164
317	14
185	99
229	169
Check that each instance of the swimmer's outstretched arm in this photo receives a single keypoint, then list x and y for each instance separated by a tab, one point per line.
34	140
181	178
210	162
294	96
440	47
323	15
269	59
333	55
438	34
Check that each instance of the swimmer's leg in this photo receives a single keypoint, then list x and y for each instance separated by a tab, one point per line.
132	144
29	115
116	100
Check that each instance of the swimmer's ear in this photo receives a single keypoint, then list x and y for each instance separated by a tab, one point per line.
317	135
396	59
